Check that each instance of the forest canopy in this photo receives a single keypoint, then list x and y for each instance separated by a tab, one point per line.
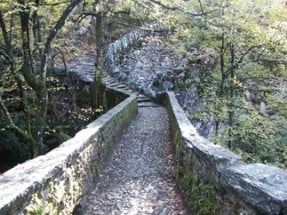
240	47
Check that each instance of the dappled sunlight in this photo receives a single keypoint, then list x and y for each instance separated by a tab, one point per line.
188	130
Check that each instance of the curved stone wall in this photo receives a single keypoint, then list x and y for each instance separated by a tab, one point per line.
53	183
240	188
113	51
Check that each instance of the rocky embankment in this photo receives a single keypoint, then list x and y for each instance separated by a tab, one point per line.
149	67
152	67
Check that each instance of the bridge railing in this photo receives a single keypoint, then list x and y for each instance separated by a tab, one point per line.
215	180
55	182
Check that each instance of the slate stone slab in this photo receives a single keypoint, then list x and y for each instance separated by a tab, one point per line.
259	185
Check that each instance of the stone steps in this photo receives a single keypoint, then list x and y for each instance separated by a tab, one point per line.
113	83
87	74
148	104
143	101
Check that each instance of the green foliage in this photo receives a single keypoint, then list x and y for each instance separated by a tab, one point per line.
12	146
199	194
99	168
247	45
37	207
259	139
254	134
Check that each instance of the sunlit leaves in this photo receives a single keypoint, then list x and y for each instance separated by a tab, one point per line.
256	31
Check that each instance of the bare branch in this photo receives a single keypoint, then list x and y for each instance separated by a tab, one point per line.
56	3
180	9
55	30
247	52
201	7
4	31
164	5
7	115
227	72
135	27
4	52
84	15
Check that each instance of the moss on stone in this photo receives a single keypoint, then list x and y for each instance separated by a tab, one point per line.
37	207
199	193
99	168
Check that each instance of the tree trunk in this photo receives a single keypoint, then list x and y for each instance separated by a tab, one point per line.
28	70
98	97
36	77
37	32
231	96
222	81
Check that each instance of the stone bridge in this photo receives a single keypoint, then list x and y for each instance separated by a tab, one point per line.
213	180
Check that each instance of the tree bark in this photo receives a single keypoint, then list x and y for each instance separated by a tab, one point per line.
231	95
222	81
98	89
37	32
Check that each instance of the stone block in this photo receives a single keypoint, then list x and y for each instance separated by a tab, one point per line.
261	186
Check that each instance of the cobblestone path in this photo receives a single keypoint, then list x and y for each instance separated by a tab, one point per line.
139	178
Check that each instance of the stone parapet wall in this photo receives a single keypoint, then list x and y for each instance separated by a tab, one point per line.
239	188
114	50
54	183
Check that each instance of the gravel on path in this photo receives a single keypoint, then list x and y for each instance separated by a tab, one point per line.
140	176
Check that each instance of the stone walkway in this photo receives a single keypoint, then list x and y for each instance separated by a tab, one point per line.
140	176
